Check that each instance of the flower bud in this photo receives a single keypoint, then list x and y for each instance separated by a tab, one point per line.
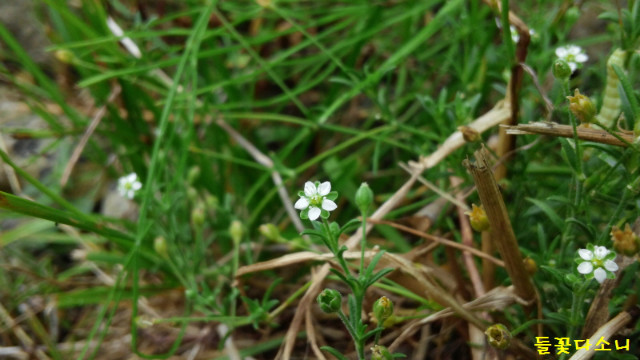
236	231
478	218
192	194
379	352
64	56
197	216
269	231
193	175
625	241
330	301
211	201
582	107
499	336
530	266
561	69
160	246
382	309
364	198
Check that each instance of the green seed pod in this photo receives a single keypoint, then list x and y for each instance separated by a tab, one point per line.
192	176
561	70
582	107
382	309
160	246
330	301
478	218
236	231
499	336
269	231
379	352
364	198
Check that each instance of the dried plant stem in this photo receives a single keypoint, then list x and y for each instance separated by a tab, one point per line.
501	231
606	331
589	134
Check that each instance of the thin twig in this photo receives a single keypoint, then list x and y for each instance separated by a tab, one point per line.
267	162
566	131
87	134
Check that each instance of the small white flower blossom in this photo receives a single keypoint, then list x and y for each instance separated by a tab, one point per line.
314	199
573	55
128	185
599	260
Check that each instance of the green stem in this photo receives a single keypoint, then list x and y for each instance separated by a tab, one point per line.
334	246
363	245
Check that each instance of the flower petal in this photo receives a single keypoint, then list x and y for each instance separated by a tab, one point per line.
585	254
585	268
561	52
611	265
329	205
136	185
600	275
600	252
309	188
581	58
324	188
314	213
302	203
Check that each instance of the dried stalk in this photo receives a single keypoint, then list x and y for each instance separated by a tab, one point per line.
589	134
501	230
606	332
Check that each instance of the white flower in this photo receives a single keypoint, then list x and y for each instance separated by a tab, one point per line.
314	200
573	55
128	185
598	259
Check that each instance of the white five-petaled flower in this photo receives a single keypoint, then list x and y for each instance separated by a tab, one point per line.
600	259
128	185
314	200
573	55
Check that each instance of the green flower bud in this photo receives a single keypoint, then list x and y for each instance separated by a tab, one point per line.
561	69
478	218
382	309
330	301
192	194
211	201
236	231
379	352
499	336
364	198
582	107
269	231
190	294
197	216
192	176
160	246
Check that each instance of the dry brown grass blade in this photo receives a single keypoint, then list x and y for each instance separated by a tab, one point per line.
275	176
501	230
566	131
97	117
442	241
606	331
498	298
599	310
22	336
295	258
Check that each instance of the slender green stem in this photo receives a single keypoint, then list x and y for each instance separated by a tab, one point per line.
363	245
